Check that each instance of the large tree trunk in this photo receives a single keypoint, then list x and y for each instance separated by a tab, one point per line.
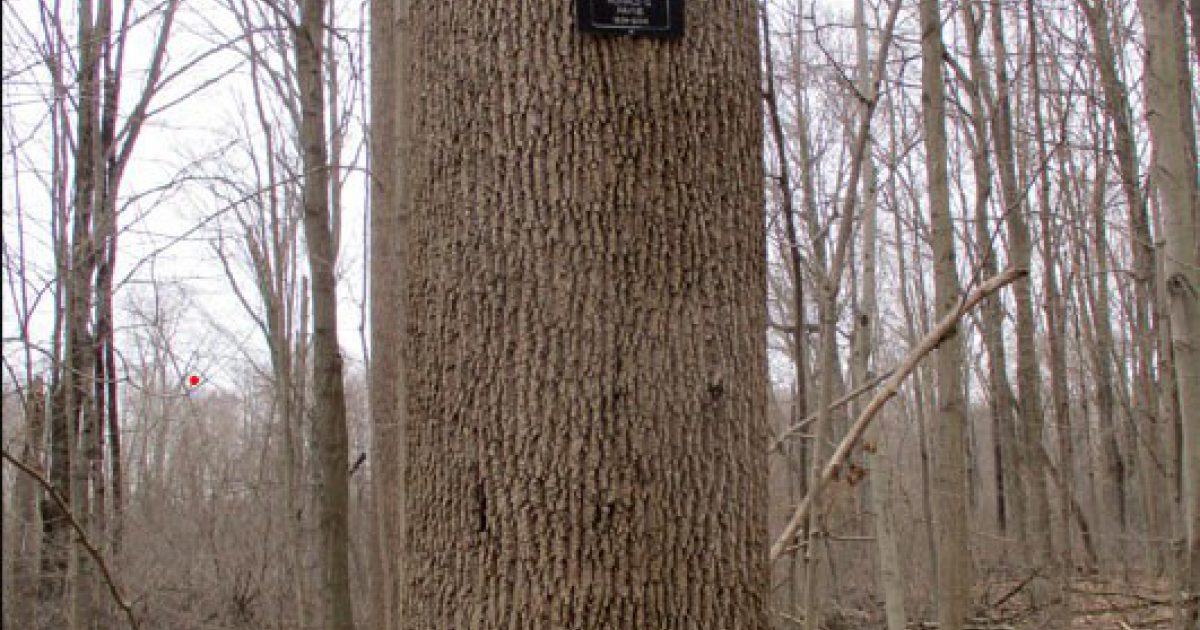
950	466
587	393
1169	112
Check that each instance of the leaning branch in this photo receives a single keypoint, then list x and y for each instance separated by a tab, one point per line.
93	551
887	391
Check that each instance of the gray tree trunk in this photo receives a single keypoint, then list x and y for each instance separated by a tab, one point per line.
1029	403
1172	127
329	401
877	458
950	466
388	309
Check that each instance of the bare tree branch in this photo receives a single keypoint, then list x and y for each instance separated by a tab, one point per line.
931	341
113	587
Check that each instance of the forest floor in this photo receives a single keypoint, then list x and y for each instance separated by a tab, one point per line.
1140	603
1129	602
1098	602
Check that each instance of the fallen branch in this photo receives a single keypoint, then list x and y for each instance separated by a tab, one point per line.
973	624
887	391
1143	599
1014	590
113	588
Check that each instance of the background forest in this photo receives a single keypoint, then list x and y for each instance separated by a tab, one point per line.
984	376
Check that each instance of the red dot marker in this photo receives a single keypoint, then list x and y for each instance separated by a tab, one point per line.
193	381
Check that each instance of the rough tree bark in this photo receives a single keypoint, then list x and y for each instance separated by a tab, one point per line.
587	391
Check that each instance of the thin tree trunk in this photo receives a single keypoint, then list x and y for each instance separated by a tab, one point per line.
815	554
877	459
1015	212
918	387
1172	127
1114	491
1117	110
329	402
26	538
388	311
806	565
1055	331
950	467
1000	403
797	482
80	367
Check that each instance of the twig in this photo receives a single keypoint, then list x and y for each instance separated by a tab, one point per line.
1014	590
1150	601
972	624
800	425
790	618
113	588
932	340
362	457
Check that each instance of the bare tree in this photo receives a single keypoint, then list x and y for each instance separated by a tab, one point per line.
329	400
1016	216
389	88
93	132
1172	126
950	468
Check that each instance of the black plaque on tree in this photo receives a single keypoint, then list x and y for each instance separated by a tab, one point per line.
653	18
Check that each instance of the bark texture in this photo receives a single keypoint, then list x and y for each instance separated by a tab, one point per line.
587	392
